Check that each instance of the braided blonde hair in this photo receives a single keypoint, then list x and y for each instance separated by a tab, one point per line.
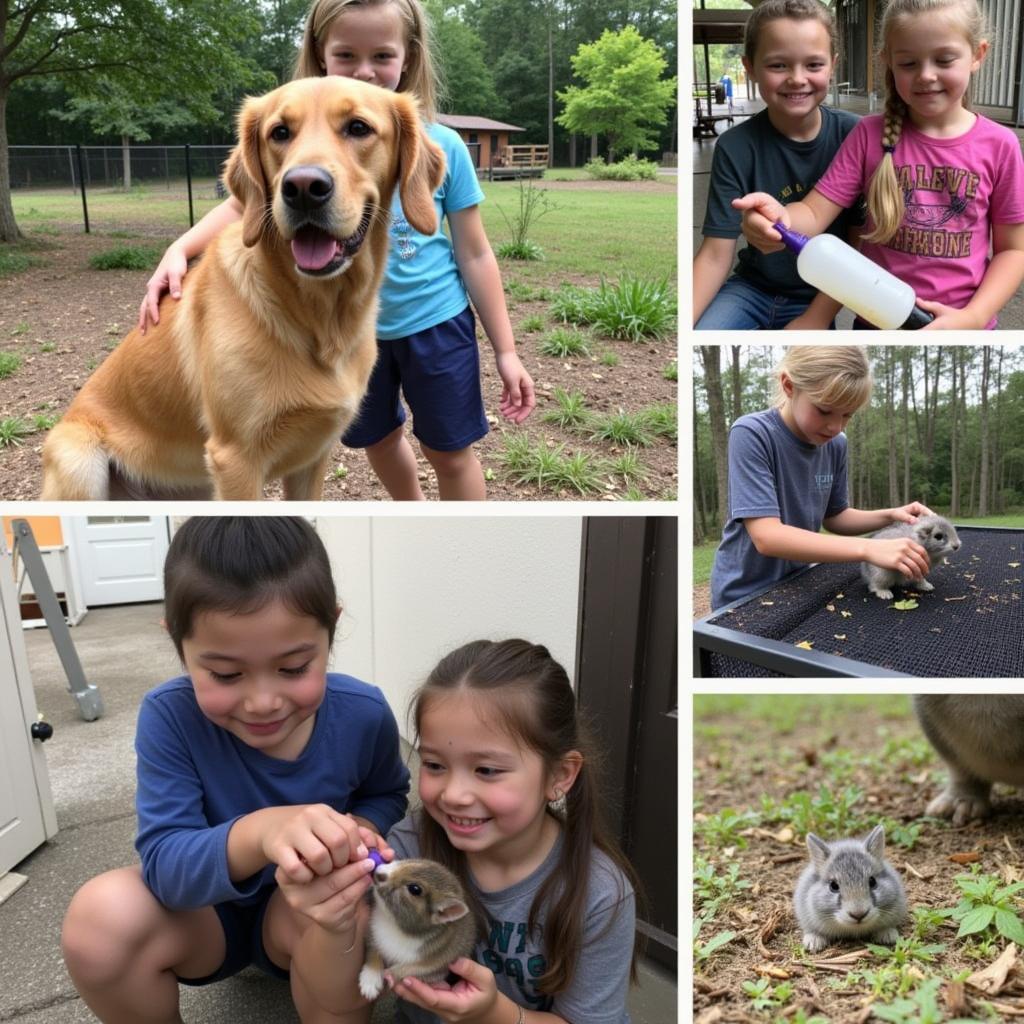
885	196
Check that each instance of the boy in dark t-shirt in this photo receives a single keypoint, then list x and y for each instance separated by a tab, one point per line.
790	52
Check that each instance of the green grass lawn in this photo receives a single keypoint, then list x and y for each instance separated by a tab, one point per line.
588	232
704	554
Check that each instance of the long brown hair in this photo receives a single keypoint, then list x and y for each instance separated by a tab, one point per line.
531	697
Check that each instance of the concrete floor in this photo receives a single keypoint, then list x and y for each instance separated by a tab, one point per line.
1012	315
124	653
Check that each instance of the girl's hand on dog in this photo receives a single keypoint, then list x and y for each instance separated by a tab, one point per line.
470	998
517	396
167	277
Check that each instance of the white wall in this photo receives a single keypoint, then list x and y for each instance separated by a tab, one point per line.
415	588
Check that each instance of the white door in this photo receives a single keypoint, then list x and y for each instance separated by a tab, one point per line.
120	558
26	806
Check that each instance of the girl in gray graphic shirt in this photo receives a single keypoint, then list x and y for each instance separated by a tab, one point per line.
510	804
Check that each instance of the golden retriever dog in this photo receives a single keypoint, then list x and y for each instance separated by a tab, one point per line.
254	373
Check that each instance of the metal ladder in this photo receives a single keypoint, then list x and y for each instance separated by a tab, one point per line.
90	703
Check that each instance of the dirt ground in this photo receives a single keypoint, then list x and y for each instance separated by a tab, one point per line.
62	318
745	756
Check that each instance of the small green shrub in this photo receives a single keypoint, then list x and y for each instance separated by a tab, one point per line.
629	169
623	428
573	305
634	308
12	430
14	261
571	412
563	342
9	363
126	257
523	251
532	324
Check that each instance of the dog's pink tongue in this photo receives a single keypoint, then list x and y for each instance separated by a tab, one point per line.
313	249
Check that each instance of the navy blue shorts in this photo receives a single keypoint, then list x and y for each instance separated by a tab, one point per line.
243	940
438	371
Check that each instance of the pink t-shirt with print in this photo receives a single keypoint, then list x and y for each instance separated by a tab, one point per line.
954	190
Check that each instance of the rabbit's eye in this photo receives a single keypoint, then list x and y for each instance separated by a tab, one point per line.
415	889
872	882
939	536
833	885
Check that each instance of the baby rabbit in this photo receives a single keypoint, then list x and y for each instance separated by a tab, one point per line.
420	923
849	891
935	534
981	739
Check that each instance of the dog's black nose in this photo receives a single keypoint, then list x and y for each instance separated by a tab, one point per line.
306	188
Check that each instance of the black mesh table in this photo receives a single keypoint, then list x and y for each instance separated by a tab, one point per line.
971	624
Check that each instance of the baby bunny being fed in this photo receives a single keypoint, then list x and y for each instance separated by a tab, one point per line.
849	891
935	534
419	924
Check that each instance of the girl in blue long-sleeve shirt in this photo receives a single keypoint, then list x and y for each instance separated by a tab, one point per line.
263	780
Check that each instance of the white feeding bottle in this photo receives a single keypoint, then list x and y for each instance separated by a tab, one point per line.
849	277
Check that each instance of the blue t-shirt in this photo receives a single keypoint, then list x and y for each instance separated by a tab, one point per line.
773	473
195	780
422	285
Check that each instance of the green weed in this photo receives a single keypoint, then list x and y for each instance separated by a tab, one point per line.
922	1007
628	466
609	358
563	342
43	421
12	430
48	346
988	905
764	996
10	363
571	412
14	261
580	472
662	420
634	308
630	168
533	323
830	813
573	305
125	257
623	428
723	828
711	890
671	372
704	951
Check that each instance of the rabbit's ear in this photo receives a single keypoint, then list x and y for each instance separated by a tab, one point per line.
875	842
819	851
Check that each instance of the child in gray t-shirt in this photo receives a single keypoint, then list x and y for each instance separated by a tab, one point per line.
510	804
787	479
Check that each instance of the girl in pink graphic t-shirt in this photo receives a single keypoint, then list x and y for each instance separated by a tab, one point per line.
944	185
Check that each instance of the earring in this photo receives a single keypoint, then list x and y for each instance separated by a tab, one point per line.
558	804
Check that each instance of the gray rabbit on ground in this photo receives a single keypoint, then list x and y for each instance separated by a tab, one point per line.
981	739
936	535
849	891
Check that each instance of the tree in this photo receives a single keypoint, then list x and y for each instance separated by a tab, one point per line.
625	96
468	81
183	51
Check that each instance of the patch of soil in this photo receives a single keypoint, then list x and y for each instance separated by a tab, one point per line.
701	600
737	761
63	318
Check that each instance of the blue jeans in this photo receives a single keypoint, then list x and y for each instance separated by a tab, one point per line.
740	306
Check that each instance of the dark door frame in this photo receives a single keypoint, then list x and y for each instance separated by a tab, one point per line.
627	682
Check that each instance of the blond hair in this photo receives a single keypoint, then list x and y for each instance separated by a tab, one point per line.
836	376
420	76
885	195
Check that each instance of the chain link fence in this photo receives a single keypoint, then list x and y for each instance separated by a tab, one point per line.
189	174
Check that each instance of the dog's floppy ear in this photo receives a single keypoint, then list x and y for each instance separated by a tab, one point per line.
244	174
421	167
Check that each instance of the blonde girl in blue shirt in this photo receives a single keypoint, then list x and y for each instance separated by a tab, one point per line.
426	329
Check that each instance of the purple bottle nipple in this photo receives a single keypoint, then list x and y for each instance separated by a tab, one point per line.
793	239
377	859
